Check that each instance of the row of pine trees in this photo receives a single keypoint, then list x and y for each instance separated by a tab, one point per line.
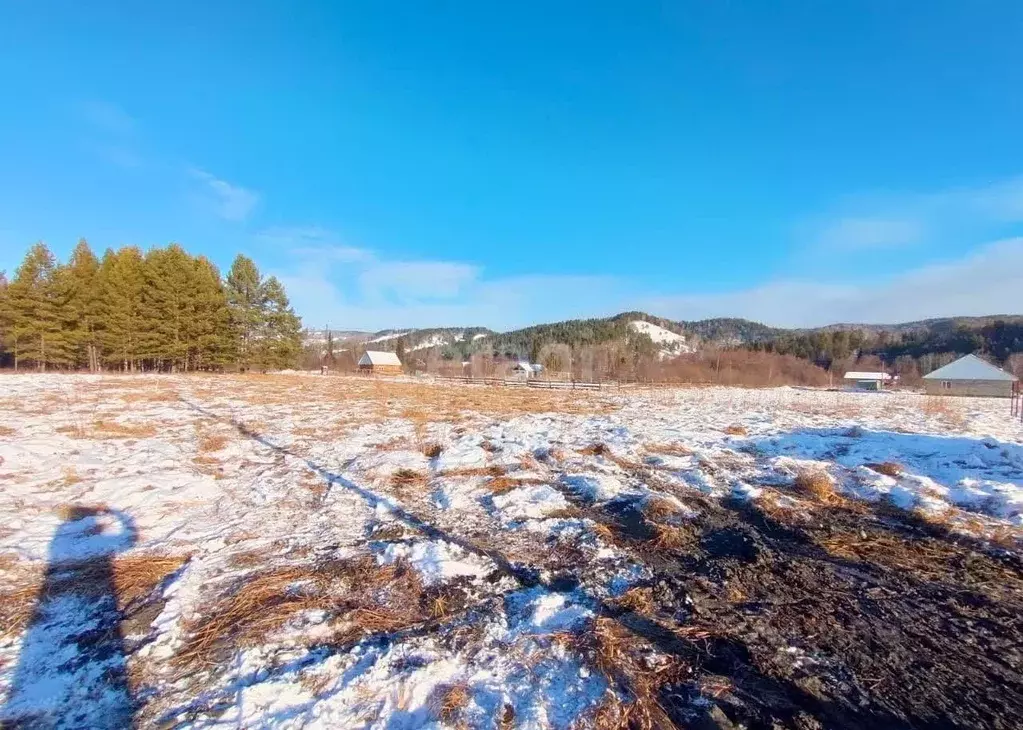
162	310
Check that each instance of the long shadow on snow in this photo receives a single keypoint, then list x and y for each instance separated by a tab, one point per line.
72	670
719	655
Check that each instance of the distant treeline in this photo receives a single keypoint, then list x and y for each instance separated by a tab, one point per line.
911	353
160	310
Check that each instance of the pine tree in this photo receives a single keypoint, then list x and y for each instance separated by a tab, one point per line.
210	331
246	297
168	276
80	292
5	325
35	311
280	337
121	321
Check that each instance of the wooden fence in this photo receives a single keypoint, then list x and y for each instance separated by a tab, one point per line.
516	383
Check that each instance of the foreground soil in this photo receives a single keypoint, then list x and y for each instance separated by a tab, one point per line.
888	621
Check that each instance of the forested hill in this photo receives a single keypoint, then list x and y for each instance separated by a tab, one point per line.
911	348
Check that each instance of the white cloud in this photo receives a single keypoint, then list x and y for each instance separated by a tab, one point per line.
416	280
988	281
314	243
230	202
328	284
851	234
893	219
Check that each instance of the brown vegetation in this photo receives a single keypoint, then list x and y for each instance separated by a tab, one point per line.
212	442
815	483
407	478
888	468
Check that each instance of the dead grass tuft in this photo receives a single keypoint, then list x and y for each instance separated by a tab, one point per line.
638	600
432	451
370	598
816	484
113	429
621	657
407	478
596	449
737	430
6	431
135	578
565	513
449	701
888	468
659	508
212	442
669	449
476	471
669	537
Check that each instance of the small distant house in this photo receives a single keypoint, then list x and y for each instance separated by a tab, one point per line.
970	375
523	370
867	380
378	362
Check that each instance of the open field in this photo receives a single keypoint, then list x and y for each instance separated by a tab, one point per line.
298	552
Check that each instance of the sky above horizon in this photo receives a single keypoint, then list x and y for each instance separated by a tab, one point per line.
414	164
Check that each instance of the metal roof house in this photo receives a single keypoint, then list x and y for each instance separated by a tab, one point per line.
867	380
524	370
379	362
969	375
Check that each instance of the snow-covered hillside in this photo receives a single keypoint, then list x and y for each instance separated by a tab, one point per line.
670	342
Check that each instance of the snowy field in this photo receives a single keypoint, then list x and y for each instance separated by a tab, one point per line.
299	552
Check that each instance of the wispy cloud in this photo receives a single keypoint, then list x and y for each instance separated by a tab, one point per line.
314	244
987	281
853	234
229	201
411	281
352	287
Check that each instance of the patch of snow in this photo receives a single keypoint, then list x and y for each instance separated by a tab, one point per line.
438	561
392	336
530	502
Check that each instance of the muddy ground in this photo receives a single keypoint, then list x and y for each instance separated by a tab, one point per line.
851	617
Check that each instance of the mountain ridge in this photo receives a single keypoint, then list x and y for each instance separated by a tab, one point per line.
690	335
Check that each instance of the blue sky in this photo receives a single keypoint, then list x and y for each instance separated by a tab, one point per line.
452	163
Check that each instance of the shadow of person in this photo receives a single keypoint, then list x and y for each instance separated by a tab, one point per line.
72	671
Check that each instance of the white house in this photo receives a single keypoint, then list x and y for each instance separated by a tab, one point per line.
862	380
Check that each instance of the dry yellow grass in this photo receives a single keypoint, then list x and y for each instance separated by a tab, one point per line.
449	700
669	449
888	468
135	577
816	484
659	508
639	600
621	657
6	431
113	429
212	442
404	479
736	430
475	471
432	451
368	597
669	537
